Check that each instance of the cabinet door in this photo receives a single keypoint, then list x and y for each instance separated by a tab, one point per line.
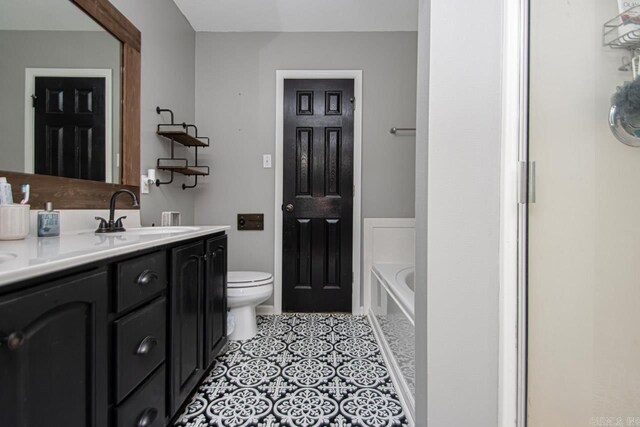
186	349
53	354
215	291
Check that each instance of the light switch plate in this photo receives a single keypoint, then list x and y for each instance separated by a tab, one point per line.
266	161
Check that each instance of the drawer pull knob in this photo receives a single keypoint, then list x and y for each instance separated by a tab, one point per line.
146	277
146	345
14	340
147	417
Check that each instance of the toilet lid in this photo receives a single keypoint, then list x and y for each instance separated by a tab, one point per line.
244	279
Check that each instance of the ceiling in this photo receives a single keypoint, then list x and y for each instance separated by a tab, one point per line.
300	15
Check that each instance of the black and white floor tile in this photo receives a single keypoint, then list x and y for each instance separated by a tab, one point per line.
302	370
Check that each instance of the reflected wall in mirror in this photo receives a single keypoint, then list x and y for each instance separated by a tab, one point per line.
60	80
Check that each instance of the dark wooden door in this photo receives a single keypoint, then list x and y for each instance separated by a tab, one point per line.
215	298
186	349
318	195
53	354
70	127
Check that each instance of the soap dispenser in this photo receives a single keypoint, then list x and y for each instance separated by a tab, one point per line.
48	221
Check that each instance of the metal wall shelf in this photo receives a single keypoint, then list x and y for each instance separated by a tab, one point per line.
623	31
179	133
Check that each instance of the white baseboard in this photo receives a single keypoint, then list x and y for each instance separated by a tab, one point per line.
267	310
264	310
404	393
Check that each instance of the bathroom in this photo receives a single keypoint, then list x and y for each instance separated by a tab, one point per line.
222	77
474	235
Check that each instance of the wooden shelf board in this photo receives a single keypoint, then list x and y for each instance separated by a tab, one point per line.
183	138
190	171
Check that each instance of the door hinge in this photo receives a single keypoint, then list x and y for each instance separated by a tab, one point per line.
353	102
526	182
33	100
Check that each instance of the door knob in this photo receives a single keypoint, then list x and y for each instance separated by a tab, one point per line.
289	207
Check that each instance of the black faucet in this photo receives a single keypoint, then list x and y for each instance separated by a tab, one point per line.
114	225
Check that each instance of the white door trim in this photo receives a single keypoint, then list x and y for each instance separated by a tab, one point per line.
356	75
29	112
512	317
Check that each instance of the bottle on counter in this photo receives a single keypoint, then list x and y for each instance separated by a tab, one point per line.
6	198
48	221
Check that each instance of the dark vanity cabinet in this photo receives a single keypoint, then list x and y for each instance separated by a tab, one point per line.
198	313
186	319
53	354
215	298
119	343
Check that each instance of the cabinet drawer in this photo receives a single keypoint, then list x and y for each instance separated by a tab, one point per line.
146	407
140	278
140	345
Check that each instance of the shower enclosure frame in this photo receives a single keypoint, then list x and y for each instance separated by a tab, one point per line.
515	189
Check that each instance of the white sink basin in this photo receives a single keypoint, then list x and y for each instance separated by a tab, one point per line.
7	256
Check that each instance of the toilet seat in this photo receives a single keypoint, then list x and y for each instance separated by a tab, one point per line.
248	279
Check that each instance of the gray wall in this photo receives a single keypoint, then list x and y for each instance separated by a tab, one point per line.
48	49
235	105
462	217
168	80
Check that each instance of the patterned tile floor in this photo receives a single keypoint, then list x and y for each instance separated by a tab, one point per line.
302	370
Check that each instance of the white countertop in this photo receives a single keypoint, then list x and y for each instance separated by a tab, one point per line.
37	256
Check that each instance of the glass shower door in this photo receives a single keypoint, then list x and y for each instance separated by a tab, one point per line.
583	353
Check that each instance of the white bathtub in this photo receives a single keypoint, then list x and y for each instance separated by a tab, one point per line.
392	315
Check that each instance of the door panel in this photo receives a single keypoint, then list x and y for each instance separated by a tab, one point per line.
186	321
333	147
215	298
332	254
318	195
303	265
58	375
70	127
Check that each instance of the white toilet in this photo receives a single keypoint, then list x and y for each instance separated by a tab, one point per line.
245	290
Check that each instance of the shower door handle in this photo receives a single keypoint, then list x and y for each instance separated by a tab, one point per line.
532	182
526	182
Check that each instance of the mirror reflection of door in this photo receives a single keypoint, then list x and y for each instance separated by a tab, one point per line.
69	127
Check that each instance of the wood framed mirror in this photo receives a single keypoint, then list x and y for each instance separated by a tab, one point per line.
75	193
